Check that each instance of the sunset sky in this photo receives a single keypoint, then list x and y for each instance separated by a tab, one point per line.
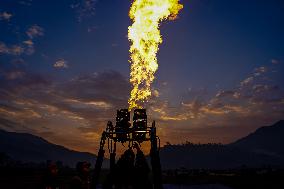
64	69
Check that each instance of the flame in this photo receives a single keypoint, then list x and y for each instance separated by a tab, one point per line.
144	34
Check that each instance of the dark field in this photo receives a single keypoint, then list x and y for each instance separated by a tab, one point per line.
32	178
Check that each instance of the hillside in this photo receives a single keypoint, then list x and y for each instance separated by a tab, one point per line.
29	148
264	147
268	140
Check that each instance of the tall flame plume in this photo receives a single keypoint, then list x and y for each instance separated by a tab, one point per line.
144	34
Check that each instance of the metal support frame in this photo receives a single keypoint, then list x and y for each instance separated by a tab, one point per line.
113	136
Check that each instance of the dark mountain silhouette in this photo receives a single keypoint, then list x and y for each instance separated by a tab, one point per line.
264	147
29	148
267	140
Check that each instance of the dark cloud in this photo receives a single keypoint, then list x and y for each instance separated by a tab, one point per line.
247	81
83	104
15	74
275	61
18	63
26	2
84	8
225	93
46	134
5	16
27	48
61	63
109	86
195	93
11	125
255	101
3	48
260	70
11	50
18	81
92	28
34	31
8	124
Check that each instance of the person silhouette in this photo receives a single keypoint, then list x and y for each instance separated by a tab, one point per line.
124	170
82	180
51	180
141	170
130	172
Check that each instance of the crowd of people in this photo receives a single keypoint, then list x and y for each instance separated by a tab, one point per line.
131	171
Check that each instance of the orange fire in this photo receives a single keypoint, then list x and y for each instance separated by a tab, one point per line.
144	34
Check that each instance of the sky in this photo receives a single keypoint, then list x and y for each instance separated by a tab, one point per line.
64	69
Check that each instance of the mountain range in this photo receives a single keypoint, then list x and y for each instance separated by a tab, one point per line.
264	147
29	148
